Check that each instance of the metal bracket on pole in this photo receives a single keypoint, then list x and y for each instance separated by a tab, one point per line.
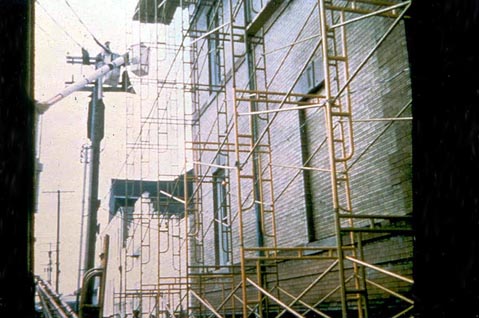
44	106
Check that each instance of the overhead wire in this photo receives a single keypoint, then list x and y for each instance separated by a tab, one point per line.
86	28
44	31
39	143
91	34
58	24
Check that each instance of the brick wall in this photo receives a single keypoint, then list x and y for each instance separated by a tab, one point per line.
381	173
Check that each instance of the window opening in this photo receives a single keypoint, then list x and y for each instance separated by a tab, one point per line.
221	219
214	58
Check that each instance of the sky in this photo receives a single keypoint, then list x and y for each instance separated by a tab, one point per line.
62	129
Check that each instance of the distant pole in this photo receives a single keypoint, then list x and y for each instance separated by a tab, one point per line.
49	268
57	277
57	274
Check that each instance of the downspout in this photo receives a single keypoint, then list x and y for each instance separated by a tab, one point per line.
87	285
104	265
85	308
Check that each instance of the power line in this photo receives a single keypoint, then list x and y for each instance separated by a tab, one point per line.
58	24
44	31
86	27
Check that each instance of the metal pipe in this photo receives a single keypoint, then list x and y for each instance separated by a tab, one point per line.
349	124
379	269
84	292
208	33
53	303
301	168
378	136
171	196
307	289
381	119
279	302
331	146
334	290
370	15
370	54
290	90
403	312
61	306
258	112
311	308
44	306
212	165
240	211
408	300
294	43
206	304
308	160
228	297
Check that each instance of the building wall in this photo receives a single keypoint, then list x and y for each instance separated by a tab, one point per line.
146	266
381	177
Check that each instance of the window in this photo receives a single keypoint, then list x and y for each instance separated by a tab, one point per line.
221	218
312	79
307	175
214	57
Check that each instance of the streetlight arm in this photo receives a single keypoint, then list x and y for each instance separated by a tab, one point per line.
44	106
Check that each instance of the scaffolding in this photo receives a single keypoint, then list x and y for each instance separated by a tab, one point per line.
244	149
240	102
147	270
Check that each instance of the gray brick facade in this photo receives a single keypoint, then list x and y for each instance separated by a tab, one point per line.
380	168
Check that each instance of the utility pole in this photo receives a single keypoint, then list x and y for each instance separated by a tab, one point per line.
49	266
85	159
108	67
57	276
96	122
95	133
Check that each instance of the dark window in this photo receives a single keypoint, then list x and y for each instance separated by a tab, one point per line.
221	218
307	176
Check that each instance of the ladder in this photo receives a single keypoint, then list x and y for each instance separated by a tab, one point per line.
341	148
255	189
349	223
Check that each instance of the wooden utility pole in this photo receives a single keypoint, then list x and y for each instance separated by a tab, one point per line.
57	275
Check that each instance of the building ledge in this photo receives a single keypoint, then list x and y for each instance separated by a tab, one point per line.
145	11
